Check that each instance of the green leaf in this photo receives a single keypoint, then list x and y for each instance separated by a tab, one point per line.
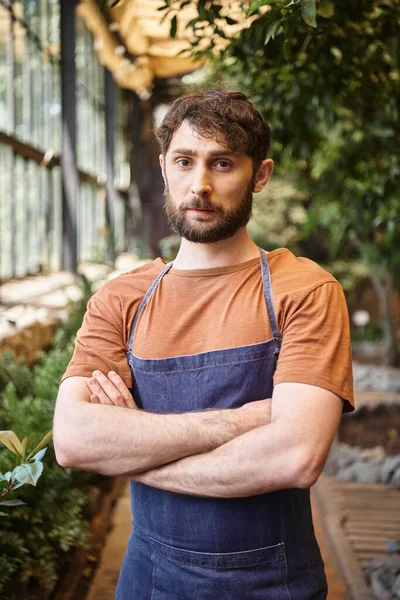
174	26
11	441
286	49
18	485
272	30
14	502
257	4
326	8
24	445
39	455
29	473
288	29
309	12
46	439
202	11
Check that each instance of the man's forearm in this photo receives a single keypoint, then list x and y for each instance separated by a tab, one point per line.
262	460
115	441
289	452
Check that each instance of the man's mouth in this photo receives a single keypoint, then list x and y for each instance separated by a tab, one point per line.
201	212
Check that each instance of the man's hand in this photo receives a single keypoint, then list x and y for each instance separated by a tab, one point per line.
112	390
109	390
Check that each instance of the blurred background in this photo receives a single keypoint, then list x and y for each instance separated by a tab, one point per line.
82	84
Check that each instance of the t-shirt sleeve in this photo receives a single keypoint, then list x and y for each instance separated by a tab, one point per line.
316	347
99	342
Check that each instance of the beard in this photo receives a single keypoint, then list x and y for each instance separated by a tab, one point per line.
201	231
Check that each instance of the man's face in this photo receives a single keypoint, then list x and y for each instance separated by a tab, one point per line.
208	188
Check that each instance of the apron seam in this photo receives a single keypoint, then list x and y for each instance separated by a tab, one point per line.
258	549
236	362
286	579
152	574
213	568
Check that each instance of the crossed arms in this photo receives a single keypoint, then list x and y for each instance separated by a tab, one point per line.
261	447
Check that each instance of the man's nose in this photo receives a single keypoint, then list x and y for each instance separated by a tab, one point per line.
201	184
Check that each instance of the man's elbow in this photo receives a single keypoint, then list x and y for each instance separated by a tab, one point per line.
308	470
64	451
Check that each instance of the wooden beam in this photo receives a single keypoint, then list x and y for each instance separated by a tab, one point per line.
69	175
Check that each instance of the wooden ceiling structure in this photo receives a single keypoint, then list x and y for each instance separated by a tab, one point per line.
135	46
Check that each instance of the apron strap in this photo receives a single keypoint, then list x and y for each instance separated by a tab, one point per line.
145	300
266	277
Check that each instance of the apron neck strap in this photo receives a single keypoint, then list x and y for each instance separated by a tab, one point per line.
266	277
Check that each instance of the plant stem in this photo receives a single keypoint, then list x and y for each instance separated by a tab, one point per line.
8	489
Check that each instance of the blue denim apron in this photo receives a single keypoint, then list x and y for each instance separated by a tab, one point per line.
192	548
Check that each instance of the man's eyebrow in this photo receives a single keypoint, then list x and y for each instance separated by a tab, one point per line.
212	153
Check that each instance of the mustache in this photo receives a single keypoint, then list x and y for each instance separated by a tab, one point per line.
201	204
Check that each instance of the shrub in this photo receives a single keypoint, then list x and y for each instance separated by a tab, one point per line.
36	537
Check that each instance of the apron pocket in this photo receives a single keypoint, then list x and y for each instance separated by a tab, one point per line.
257	574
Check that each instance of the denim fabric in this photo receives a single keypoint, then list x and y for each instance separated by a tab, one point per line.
187	547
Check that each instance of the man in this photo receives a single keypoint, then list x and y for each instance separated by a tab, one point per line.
238	385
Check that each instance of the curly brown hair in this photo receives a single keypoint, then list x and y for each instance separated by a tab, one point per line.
228	117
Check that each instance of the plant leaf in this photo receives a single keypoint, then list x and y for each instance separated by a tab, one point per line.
11	441
46	439
309	12
24	445
39	455
326	8
174	26
29	473
16	486
14	502
201	10
257	4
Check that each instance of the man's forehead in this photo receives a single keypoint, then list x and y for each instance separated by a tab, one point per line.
187	138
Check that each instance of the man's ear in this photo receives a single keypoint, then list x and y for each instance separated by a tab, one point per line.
162	165
263	174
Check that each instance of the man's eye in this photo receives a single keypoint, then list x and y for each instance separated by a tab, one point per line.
223	164
183	162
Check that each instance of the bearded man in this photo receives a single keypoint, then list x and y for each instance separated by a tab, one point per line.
216	382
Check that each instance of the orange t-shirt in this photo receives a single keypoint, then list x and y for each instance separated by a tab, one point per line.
194	311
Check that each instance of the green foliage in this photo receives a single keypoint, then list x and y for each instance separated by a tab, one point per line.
370	333
332	99
28	466
15	370
278	214
36	537
169	247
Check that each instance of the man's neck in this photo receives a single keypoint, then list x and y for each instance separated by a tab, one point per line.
237	249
